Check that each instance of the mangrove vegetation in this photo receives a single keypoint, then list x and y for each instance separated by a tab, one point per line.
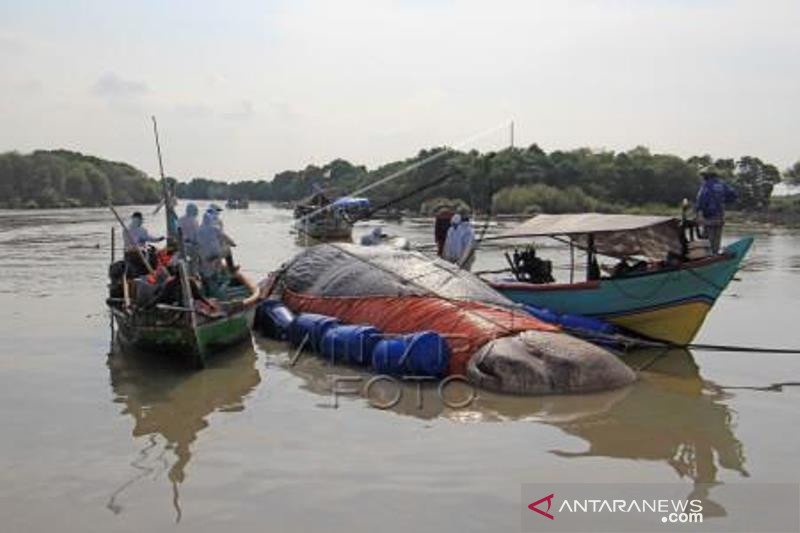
515	181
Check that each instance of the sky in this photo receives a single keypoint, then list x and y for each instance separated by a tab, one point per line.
246	89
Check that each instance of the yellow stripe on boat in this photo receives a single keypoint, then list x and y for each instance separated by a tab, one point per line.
678	324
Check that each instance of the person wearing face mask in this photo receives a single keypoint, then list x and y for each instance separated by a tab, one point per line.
135	238
137	234
458	247
188	224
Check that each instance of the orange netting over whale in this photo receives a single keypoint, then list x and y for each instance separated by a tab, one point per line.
466	325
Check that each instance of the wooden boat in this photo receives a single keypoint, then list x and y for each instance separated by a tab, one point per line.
187	329
237	203
323	219
172	331
665	297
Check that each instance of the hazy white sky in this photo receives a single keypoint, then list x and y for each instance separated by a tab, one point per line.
249	88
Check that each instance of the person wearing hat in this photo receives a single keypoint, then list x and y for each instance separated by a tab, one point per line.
213	243
710	204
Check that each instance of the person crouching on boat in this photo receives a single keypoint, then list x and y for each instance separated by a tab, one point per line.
137	236
458	247
710	205
373	238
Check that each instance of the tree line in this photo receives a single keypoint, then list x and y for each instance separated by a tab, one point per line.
518	180
61	178
514	180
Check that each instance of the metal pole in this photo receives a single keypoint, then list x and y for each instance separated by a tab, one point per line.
113	244
571	262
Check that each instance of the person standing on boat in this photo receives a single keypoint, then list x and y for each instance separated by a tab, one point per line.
209	251
710	205
226	243
188	224
441	226
188	227
212	243
137	236
458	246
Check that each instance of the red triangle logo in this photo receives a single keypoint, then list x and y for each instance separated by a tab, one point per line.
546	514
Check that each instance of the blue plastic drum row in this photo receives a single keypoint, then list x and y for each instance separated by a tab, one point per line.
419	354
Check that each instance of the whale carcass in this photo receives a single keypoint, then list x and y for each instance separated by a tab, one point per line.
492	342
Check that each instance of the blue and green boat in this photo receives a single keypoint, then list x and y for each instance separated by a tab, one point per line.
666	295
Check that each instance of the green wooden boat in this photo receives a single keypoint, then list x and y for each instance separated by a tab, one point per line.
150	320
170	332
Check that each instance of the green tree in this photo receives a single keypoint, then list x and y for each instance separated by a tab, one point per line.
792	174
754	181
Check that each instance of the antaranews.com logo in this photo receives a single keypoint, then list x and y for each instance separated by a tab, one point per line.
672	511
659	507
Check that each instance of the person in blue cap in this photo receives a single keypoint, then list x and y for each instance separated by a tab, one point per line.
710	205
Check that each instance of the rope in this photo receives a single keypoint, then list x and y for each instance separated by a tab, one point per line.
632	342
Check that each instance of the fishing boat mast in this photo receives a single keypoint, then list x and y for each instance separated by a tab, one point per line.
166	193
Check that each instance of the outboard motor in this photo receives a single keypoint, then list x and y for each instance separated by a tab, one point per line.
528	268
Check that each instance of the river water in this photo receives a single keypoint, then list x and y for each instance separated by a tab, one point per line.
92	442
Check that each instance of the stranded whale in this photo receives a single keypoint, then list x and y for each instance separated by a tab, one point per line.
494	343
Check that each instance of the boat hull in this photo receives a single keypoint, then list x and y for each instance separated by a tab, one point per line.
179	340
325	229
669	305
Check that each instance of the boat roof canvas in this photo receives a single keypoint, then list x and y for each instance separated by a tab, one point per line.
614	235
584	223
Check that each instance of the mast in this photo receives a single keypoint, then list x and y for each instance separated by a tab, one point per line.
166	193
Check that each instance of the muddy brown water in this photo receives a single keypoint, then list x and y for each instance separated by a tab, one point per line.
92	442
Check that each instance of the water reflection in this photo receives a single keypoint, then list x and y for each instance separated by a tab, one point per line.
171	406
671	415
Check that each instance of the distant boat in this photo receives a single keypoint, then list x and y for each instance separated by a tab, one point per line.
323	219
665	295
237	203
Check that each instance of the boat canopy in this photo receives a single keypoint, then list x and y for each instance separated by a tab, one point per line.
653	237
349	202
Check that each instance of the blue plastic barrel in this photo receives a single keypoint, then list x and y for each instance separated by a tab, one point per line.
350	344
273	319
312	325
420	354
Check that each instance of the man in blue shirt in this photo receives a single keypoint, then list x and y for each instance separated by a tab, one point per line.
710	205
